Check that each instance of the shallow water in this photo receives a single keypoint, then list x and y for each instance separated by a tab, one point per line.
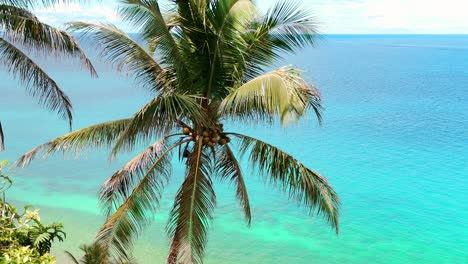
394	144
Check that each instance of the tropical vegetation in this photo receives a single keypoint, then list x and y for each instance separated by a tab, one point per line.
94	254
22	38
207	63
23	237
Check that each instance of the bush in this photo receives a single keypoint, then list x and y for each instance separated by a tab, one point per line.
23	238
20	255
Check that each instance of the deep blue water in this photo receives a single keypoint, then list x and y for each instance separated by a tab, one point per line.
394	144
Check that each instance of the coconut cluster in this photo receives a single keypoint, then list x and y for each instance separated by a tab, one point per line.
210	136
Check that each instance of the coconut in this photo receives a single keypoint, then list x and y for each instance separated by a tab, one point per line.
206	139
222	141
214	140
186	130
206	134
210	144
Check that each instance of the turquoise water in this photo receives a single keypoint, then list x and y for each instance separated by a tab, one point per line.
394	145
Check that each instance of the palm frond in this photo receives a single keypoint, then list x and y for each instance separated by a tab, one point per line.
116	235
192	14
23	27
229	169
147	17
172	21
117	188
290	26
9	9
93	254
285	28
192	212
226	17
282	93
71	257
126	54
2	138
37	82
306	186
158	117
200	7
99	135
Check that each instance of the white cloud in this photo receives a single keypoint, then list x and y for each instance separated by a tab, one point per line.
61	13
392	16
336	16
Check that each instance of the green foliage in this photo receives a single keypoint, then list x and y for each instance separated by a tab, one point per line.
23	255
23	237
280	93
94	254
205	63
5	181
41	236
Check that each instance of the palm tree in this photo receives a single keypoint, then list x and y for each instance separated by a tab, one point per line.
21	32
205	63
93	254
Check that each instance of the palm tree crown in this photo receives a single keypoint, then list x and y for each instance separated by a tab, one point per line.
21	32
93	254
205	62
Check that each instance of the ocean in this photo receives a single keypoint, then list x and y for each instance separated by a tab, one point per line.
394	144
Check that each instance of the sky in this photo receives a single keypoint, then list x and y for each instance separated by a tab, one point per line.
334	16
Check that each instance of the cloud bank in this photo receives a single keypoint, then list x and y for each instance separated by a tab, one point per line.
335	16
60	14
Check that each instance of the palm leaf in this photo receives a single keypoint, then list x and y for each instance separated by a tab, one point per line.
37	82
171	21
71	257
118	187
22	27
116	235
282	92
160	116
227	17
229	169
200	7
93	254
15	10
126	54
285	28
192	211
147	16
290	26
99	135
301	183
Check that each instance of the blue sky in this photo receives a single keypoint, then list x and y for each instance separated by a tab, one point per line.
335	16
